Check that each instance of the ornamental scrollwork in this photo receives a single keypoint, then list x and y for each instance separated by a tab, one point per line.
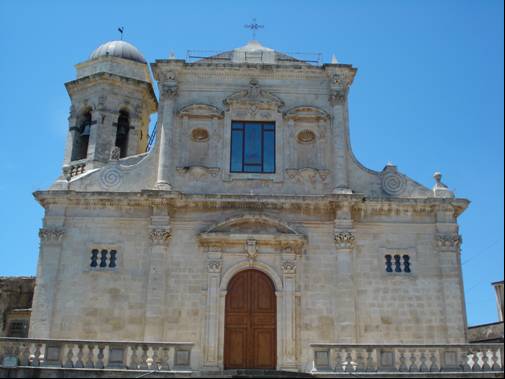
448	242
344	240
51	234
337	97
160	236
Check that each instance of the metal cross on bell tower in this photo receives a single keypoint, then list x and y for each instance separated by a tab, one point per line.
254	27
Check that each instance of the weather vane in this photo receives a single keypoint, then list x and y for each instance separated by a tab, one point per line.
254	27
121	30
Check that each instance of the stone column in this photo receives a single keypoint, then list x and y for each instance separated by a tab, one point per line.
133	136
345	292
211	344
46	284
448	243
288	299
168	95
159	235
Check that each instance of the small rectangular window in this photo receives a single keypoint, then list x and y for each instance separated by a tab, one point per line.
252	147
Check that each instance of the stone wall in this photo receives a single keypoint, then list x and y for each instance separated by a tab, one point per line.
16	292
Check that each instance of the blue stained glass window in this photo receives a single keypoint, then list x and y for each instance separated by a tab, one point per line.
253	147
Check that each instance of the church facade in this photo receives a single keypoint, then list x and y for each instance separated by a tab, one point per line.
248	229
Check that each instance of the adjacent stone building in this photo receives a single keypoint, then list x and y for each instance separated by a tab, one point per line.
247	228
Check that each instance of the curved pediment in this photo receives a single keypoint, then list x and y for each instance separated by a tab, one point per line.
200	111
254	95
256	224
306	113
259	228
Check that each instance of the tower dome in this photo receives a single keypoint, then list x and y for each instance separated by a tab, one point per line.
120	49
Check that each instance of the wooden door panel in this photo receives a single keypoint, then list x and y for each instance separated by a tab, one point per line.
236	341
264	348
250	322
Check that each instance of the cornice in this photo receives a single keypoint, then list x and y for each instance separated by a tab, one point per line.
105	77
322	203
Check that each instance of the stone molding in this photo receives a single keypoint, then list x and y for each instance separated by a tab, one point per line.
200	111
306	113
344	240
448	242
51	234
160	235
307	174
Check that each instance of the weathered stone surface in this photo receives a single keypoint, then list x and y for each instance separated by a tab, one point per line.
15	293
182	224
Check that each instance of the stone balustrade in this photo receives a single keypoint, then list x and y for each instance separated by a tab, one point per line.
334	358
25	352
74	168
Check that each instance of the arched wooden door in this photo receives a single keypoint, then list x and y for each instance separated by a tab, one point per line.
250	322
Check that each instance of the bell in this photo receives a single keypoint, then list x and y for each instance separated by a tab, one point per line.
86	130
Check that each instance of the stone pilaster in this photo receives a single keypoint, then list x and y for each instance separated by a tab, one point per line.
345	313
168	94
448	245
159	236
339	87
288	268
44	298
211	343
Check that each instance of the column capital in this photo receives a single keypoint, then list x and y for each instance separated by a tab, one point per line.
168	90
52	235
448	241
344	239
214	266
288	267
337	97
160	235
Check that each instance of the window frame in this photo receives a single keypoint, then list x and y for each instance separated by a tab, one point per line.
273	131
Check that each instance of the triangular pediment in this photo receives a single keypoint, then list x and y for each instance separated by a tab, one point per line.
200	111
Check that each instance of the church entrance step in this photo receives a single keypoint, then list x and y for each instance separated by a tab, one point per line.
259	373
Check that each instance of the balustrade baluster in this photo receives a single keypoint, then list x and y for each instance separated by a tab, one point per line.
338	366
69	363
485	361
403	362
79	363
90	361
143	358
370	363
360	361
134	363
24	359
423	367
464	362
433	359
494	359
164	359
348	361
475	360
413	362
155	359
36	361
100	363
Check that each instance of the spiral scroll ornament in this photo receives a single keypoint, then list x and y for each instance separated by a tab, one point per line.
110	178
393	184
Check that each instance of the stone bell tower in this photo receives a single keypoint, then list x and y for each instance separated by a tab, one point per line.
112	100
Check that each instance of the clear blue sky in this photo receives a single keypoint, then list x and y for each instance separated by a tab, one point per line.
428	95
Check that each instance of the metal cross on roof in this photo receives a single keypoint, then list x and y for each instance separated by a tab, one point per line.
121	30
254	27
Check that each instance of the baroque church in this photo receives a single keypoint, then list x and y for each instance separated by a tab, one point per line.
244	232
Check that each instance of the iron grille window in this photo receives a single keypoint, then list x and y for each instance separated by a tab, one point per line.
252	147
